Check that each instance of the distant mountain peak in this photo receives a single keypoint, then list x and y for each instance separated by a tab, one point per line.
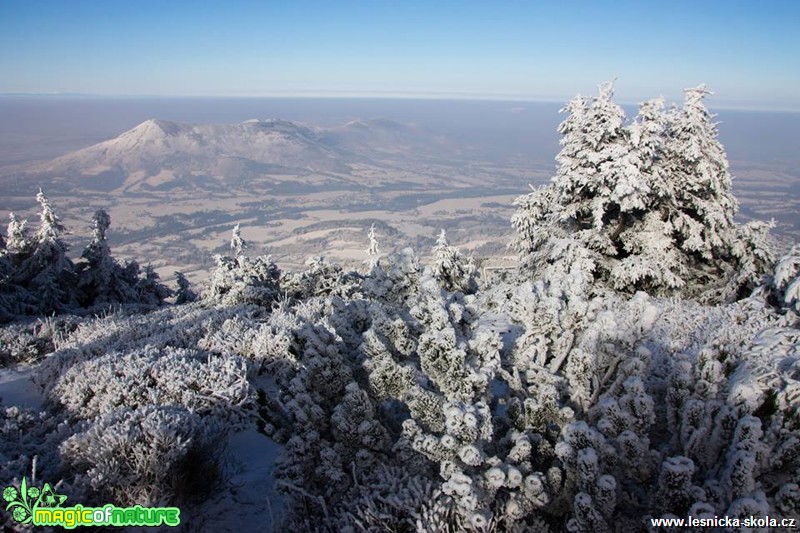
356	124
154	128
161	154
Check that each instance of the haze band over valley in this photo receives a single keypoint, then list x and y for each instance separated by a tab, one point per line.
175	189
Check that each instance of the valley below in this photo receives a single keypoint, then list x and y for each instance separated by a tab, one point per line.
175	190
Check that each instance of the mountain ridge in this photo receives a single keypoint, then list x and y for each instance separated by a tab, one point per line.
159	153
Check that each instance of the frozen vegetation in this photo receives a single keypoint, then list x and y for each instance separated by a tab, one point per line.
643	361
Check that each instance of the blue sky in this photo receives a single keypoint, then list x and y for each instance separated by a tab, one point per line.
747	52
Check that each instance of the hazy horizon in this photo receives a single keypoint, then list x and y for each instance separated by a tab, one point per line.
745	51
42	127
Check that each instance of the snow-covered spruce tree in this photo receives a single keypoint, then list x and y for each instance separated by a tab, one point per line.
714	248
453	271
5	260
394	280
7	304
18	240
782	287
38	277
149	289
47	272
373	251
650	202
184	293
242	280
15	298
101	279
238	244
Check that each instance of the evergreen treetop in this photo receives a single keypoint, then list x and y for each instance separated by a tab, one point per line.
649	201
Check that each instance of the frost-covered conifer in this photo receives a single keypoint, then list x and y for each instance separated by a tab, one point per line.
697	166
101	279
581	199
703	207
650	203
242	280
9	307
47	272
6	265
238	244
395	280
184	293
373	251
451	269
782	287
50	227
15	299
18	241
149	289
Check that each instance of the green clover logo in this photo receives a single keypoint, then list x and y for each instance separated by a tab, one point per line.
23	502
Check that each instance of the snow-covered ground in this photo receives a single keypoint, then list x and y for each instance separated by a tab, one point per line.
16	388
248	501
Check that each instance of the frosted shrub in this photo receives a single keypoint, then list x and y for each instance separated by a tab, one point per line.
30	341
151	455
674	415
395	279
444	366
28	437
241	280
393	499
336	437
199	382
176	327
320	278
